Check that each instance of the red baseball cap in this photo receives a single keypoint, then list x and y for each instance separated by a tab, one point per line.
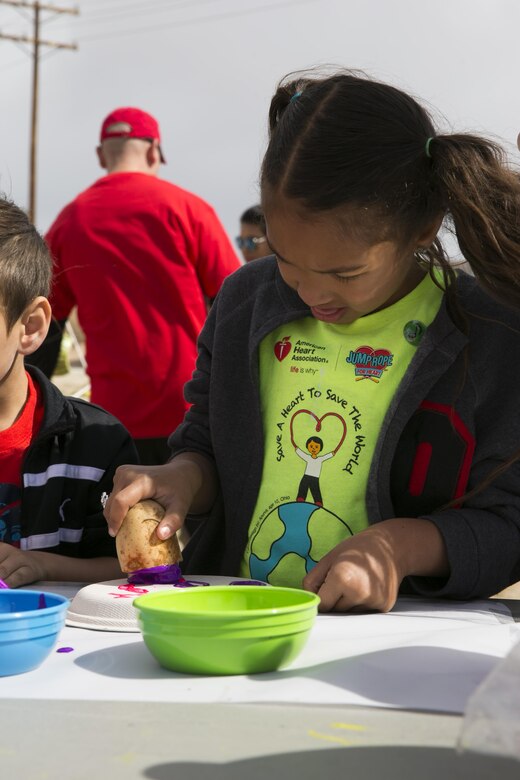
131	123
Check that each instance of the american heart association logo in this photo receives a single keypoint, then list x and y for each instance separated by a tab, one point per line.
282	348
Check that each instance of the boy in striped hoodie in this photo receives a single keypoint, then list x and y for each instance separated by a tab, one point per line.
57	454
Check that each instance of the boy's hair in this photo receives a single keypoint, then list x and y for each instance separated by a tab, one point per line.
316	440
254	216
25	262
369	153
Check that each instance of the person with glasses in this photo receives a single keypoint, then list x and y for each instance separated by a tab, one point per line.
140	258
252	240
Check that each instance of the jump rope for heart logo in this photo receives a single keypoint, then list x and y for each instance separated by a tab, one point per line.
282	348
370	363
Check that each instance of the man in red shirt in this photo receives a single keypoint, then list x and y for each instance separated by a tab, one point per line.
140	257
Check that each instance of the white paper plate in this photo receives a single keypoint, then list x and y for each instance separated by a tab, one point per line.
107	606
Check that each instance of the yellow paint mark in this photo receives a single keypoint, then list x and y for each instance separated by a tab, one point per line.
348	726
126	758
5	751
329	738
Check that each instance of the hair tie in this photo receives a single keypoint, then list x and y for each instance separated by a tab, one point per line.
427	146
295	97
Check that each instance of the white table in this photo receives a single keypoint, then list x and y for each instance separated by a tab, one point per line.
345	706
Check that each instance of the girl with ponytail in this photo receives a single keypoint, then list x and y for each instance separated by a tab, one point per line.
361	331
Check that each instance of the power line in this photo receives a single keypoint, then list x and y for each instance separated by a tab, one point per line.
114	5
36	42
139	11
14	64
143	8
34	4
198	20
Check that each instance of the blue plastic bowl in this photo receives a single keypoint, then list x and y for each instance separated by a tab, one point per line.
30	622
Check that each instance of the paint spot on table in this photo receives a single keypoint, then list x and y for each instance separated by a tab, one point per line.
329	738
348	726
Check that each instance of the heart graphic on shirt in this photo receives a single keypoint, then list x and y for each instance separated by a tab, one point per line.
317	426
282	348
374	354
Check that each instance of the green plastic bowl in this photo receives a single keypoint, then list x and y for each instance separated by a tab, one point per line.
245	629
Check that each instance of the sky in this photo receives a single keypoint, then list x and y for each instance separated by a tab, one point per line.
207	70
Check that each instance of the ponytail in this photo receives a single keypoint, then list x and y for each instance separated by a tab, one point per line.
481	195
283	97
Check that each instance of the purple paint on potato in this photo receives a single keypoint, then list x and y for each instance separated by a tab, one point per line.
156	575
65	650
4	584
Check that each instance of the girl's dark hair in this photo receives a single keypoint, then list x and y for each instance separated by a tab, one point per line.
346	140
25	263
254	216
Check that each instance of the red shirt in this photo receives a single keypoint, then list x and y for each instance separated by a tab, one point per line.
139	256
14	442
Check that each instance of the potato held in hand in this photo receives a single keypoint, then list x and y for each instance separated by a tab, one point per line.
137	544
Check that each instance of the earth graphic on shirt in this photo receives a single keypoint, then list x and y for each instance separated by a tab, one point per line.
292	539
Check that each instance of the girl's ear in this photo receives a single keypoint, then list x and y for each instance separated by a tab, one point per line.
34	324
428	236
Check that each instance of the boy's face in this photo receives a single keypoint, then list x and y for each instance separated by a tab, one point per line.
9	344
313	448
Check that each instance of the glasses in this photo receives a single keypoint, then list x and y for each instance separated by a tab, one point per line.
250	243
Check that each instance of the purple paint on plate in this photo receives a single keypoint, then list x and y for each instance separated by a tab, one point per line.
42	604
156	575
191	584
65	650
247	582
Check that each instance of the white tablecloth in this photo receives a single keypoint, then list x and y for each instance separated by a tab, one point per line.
423	656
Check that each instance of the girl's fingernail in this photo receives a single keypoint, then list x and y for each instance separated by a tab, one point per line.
165	532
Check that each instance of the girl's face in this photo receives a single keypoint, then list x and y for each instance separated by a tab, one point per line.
337	276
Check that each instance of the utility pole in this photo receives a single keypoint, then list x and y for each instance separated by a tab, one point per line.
36	42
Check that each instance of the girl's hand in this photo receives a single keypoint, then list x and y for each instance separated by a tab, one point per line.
187	483
18	567
366	570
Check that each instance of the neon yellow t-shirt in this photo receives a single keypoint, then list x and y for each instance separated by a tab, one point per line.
325	389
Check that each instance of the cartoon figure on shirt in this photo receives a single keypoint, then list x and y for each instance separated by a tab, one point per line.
311	479
310	482
293	536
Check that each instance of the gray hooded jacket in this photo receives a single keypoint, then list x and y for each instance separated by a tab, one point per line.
458	402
